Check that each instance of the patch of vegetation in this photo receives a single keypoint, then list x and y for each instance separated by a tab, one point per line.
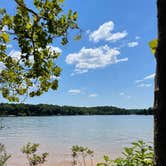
81	153
139	154
48	110
30	151
3	155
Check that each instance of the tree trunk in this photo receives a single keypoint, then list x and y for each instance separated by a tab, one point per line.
160	89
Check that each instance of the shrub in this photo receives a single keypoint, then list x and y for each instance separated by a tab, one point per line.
34	159
3	155
139	154
81	152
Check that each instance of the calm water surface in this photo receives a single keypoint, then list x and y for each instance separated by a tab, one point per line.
57	134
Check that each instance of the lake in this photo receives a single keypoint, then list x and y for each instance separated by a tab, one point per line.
57	134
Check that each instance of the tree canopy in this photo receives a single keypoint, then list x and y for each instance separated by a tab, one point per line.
35	70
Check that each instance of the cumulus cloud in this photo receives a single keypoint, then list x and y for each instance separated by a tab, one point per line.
15	54
93	95
54	49
93	58
132	44
74	91
104	32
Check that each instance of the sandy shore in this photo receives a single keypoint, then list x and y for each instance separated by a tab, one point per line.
56	160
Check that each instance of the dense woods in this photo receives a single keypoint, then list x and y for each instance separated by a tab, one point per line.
48	110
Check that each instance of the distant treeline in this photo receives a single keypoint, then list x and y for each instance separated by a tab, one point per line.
48	110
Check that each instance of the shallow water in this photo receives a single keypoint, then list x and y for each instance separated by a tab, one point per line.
57	134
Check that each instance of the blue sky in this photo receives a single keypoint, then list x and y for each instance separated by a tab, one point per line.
112	63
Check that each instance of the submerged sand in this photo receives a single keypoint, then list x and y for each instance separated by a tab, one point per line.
59	160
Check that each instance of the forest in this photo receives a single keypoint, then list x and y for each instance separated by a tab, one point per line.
49	110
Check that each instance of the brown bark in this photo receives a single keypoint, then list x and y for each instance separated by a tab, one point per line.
160	89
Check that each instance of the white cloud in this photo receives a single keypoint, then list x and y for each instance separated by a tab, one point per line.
93	95
151	76
15	54
125	95
144	85
138	81
74	91
132	44
54	49
88	31
137	37
104	32
128	97
9	46
122	94
93	58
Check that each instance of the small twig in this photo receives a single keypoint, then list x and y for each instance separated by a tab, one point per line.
28	9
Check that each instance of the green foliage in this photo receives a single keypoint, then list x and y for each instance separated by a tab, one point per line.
33	158
81	152
34	71
3	155
140	154
45	109
153	45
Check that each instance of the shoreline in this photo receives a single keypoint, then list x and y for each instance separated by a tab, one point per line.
54	160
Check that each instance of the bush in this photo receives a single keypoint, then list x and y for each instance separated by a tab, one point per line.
34	159
3	155
139	154
81	152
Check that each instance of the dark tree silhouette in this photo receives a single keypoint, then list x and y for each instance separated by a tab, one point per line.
160	89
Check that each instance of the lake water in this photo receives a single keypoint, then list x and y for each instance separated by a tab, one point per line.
57	134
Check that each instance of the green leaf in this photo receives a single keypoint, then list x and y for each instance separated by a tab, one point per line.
153	45
106	158
5	37
75	15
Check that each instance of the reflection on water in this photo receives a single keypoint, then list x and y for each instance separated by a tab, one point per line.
57	134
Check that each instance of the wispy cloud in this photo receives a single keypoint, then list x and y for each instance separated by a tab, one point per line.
149	77
132	44
104	32
144	85
122	94
93	58
74	91
137	37
93	95
125	95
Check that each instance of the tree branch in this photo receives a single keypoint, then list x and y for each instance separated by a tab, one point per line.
28	9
